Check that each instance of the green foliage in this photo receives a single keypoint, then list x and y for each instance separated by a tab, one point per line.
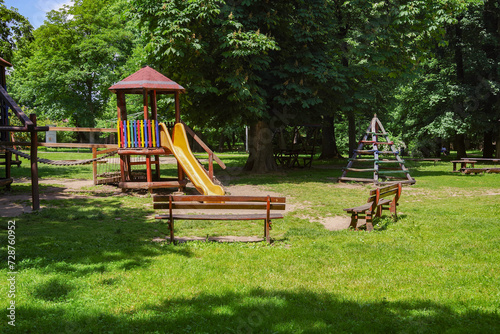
240	61
75	57
456	89
15	31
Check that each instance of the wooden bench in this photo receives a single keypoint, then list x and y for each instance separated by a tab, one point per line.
231	207
479	170
377	202
463	164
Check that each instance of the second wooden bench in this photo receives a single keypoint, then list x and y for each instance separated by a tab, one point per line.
377	201
265	208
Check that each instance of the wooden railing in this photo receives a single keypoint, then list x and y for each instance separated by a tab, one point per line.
211	155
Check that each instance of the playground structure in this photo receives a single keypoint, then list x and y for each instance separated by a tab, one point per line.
28	125
150	139
384	163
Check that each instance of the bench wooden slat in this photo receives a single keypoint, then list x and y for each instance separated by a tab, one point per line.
205	198
383	193
384	189
366	206
218	206
221	217
360	208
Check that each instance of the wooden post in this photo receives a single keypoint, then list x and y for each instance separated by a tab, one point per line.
145	103
211	166
154	116
122	106
94	165
267	221
154	108
149	175
123	164
180	172
8	163
35	194
177	108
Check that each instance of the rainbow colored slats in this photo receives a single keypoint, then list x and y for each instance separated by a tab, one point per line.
138	134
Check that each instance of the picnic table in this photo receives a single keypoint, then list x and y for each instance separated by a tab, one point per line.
423	159
463	164
494	160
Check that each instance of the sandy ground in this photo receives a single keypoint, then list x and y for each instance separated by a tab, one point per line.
14	204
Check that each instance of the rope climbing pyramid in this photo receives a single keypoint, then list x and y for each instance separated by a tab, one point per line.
376	160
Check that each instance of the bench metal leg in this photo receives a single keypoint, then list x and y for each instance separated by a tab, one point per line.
392	209
267	225
354	221
369	222
171	228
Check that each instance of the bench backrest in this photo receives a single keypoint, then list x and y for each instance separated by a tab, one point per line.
203	202
382	192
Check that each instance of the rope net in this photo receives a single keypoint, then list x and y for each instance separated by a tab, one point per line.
60	162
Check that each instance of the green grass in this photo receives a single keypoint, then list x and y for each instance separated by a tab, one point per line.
90	266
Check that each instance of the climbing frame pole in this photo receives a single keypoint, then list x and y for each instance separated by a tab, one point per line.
35	193
154	115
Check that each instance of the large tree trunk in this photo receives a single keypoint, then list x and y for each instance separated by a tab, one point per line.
492	26
353	143
460	73
498	141
460	146
488	148
329	148
260	146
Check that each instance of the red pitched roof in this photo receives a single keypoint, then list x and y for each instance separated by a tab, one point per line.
5	63
149	79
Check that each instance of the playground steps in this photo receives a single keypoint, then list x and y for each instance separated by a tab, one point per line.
369	151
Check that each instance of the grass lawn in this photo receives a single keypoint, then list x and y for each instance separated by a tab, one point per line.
89	265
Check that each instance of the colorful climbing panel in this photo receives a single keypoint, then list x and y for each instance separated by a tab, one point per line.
138	134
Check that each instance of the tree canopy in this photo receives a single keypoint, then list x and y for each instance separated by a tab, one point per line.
75	57
431	68
14	29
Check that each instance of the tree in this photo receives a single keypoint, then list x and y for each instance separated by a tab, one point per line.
246	62
379	45
75	56
15	29
456	93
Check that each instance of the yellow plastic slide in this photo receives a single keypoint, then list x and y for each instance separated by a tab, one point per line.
179	146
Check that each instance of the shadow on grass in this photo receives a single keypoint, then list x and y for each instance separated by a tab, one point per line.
237	176
260	311
84	236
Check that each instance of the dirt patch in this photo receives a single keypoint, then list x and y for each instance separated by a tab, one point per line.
335	223
55	189
14	205
229	238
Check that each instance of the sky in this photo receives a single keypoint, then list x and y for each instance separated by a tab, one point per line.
35	10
